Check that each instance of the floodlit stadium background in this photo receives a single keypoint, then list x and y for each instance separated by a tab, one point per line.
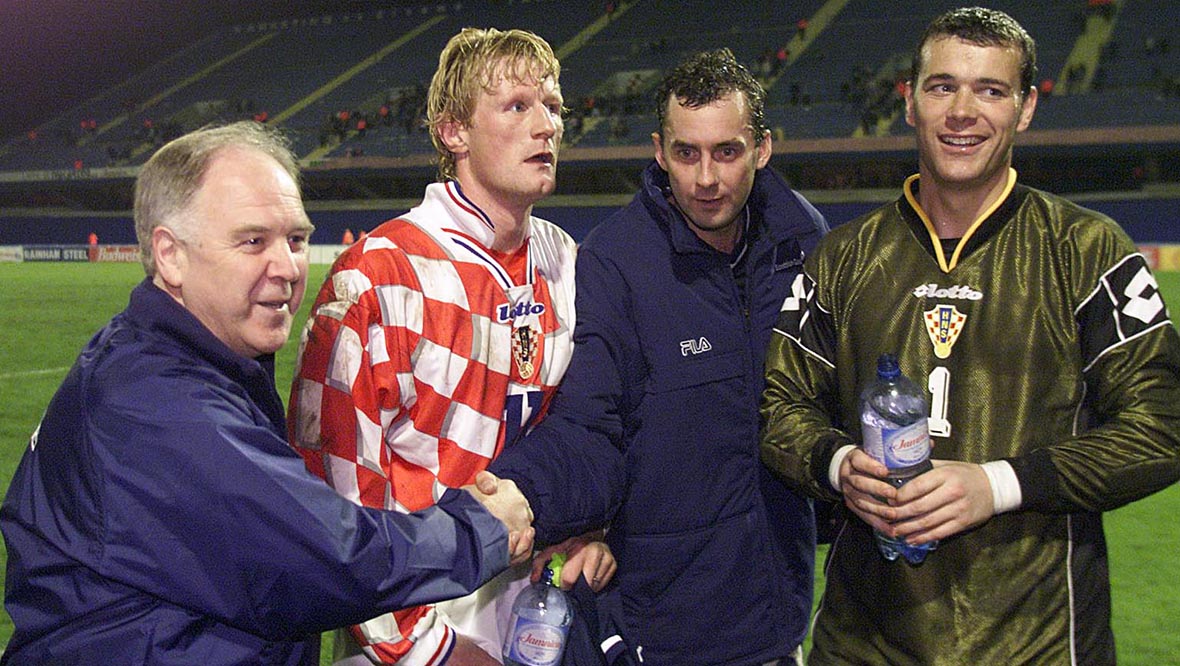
90	90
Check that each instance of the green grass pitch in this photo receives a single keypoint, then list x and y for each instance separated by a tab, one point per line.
49	311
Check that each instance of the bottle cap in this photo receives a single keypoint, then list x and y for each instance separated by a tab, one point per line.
887	367
556	563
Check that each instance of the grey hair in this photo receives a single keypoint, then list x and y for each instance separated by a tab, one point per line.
167	182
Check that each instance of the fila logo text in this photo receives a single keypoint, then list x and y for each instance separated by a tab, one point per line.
694	347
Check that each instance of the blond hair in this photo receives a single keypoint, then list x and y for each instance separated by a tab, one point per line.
471	61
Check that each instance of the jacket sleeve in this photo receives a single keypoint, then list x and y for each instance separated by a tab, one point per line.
571	466
346	394
800	403
1128	444
204	505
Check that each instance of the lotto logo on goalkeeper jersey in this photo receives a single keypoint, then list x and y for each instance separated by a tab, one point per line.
1124	305
957	292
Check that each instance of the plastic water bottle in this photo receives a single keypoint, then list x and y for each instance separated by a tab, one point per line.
894	431
540	624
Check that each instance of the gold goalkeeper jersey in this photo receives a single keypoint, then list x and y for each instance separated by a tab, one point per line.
1043	340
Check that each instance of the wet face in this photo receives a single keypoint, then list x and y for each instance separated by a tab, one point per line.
710	155
506	155
242	266
967	108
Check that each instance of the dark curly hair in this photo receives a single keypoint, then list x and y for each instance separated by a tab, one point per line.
706	77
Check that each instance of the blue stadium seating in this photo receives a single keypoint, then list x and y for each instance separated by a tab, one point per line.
308	69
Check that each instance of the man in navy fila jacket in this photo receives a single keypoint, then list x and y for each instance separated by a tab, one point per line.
676	297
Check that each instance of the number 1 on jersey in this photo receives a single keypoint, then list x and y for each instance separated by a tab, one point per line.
939	383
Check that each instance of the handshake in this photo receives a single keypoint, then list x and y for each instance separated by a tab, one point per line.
505	501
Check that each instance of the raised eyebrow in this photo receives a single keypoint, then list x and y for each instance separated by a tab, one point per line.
252	230
939	78
994	83
304	227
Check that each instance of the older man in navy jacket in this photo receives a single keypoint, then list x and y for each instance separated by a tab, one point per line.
158	515
656	422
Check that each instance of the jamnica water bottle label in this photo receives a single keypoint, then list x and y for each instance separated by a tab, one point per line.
536	644
905	447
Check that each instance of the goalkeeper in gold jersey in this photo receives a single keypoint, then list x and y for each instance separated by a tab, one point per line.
1053	373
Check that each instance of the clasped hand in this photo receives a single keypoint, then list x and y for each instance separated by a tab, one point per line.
949	499
504	500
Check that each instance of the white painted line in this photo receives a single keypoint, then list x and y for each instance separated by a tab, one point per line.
32	373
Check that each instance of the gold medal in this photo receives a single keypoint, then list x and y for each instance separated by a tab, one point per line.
524	350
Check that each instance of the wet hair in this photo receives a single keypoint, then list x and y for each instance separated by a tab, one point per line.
706	77
471	61
983	27
167	182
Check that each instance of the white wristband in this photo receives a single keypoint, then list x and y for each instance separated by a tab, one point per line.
1006	495
834	466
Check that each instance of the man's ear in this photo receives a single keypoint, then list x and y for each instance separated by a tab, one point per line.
170	255
911	111
1027	108
658	143
765	150
454	136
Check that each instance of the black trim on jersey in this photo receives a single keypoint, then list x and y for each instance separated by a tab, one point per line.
1039	483
805	322
1095	642
1110	316
990	227
821	459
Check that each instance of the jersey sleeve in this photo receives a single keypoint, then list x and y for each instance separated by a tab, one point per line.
571	467
1128	441
799	434
353	380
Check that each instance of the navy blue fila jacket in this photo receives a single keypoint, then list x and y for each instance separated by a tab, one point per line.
160	517
656	425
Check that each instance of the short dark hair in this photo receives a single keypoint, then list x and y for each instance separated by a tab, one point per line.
706	77
983	27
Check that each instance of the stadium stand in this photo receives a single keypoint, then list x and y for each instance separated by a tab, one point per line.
349	86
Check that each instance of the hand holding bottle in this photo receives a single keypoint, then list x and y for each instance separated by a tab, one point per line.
949	499
587	555
540	622
894	432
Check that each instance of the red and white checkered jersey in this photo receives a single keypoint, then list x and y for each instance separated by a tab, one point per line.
425	353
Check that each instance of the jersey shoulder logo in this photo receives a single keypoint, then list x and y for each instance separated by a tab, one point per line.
944	323
1125	305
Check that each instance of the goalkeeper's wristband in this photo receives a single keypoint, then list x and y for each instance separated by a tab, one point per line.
1006	495
834	466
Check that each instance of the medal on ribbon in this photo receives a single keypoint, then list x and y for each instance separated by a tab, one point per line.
524	350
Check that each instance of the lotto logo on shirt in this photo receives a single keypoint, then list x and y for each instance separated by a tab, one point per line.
957	292
508	312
